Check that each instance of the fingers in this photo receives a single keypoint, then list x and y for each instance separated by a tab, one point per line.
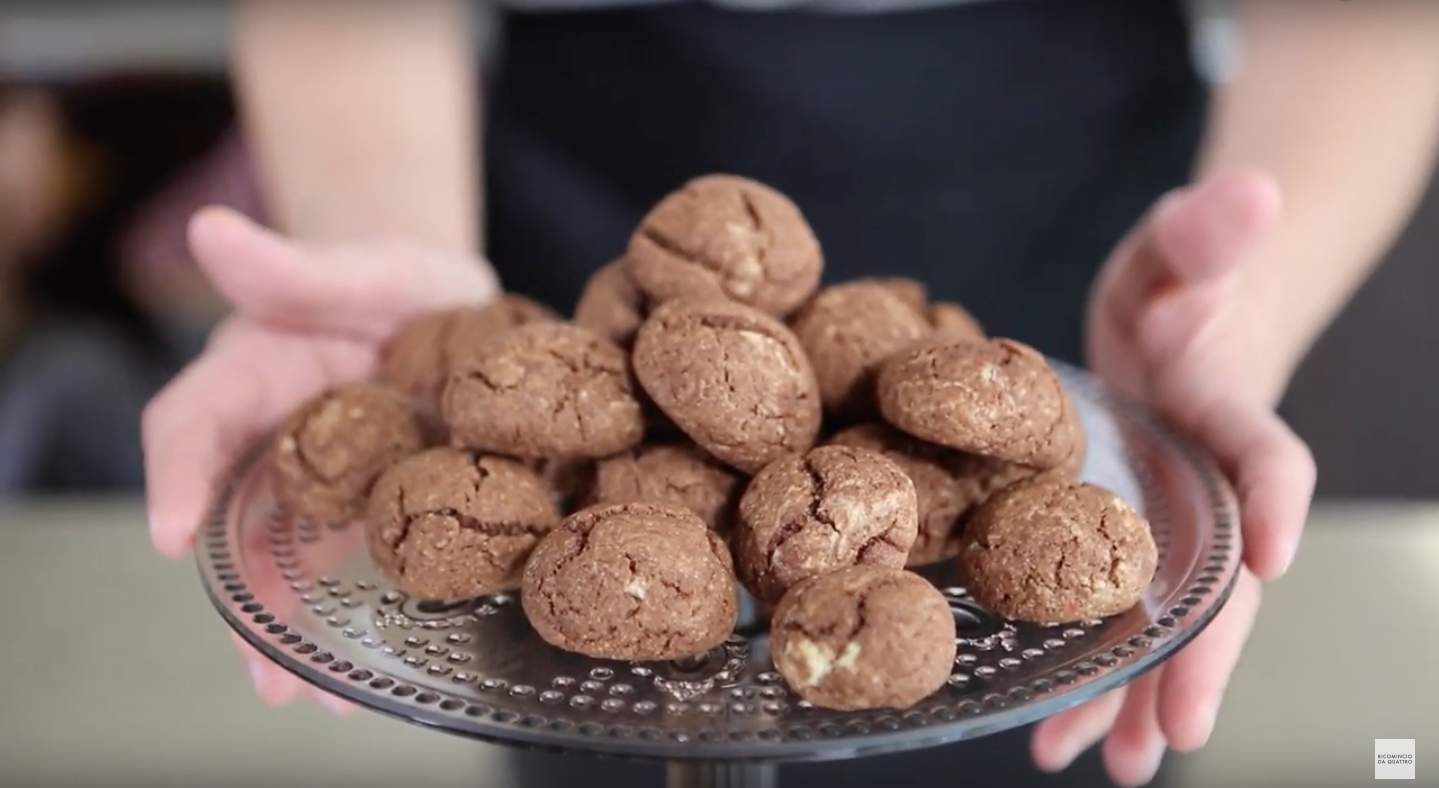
191	433
278	687
1174	321
333	703
195	428
1273	473
274	685
1136	745
1062	738
362	291
1194	235
1194	680
1173	707
1219	223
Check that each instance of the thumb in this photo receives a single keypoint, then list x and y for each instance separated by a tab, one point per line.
1211	231
360	290
1197	235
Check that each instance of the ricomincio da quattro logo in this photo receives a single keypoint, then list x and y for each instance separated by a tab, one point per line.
1394	759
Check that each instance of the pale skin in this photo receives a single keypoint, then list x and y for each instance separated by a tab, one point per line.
1314	158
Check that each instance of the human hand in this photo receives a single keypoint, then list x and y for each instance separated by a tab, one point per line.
304	318
1171	324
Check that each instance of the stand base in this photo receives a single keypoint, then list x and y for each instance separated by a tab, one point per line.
718	774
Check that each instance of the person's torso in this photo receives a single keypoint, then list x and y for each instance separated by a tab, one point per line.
821	6
973	146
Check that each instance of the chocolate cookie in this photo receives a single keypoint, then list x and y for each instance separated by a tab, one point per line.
1054	551
912	292
847	331
948	484
833	507
731	236
611	305
632	581
944	317
864	637
998	398
735	380
543	390
443	524
416	360
329	452
950	319
678	473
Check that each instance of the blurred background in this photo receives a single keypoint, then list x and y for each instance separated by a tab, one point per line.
116	122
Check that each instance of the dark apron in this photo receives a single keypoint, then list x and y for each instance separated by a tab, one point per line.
995	151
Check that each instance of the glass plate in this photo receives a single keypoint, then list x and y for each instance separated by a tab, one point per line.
306	596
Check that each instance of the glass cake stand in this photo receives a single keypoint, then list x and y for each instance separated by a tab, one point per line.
306	596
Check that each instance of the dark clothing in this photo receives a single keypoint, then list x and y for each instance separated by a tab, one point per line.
995	151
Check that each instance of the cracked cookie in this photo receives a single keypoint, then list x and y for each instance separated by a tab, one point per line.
633	581
730	236
864	637
944	317
951	319
732	378
911	291
331	449
543	390
998	398
676	473
832	507
416	360
1054	551
847	331
611	305
447	525
948	484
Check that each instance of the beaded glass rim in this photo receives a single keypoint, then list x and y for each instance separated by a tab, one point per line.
347	633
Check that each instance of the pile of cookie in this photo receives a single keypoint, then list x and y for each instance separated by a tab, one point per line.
711	419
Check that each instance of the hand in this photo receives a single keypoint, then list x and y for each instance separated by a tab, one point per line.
1171	324
304	319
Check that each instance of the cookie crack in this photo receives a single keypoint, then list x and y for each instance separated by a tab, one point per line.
673	248
637	604
723	322
1059	565
782	535
831	633
402	535
883	538
552	597
308	465
756	409
466	522
793	528
574	366
303	457
1053	428
757	225
818	491
1113	543
483	378
578	550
